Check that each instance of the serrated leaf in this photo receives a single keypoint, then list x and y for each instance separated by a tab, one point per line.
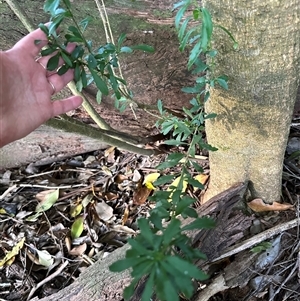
47	199
77	227
163	180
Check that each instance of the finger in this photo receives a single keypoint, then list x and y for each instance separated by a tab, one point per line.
60	81
43	61
28	42
65	105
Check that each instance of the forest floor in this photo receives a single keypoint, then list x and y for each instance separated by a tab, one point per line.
57	219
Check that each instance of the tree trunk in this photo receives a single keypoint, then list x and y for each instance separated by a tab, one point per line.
254	115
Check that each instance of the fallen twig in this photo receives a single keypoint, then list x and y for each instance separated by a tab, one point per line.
50	277
258	238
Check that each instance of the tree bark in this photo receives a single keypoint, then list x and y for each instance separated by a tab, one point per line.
254	115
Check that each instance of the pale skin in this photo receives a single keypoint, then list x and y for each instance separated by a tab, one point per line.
26	88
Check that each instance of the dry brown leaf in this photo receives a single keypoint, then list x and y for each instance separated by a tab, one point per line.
141	195
79	250
258	205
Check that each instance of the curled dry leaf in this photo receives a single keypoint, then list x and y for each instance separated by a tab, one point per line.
79	250
258	205
104	211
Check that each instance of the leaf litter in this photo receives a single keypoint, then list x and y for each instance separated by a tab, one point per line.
70	213
58	219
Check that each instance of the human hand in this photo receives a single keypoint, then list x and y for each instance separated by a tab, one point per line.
26	88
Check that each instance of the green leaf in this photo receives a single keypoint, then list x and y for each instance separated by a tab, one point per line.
170	291
75	31
77	227
72	38
235	44
92	62
186	268
207	28
186	37
143	47
148	290
83	78
183	203
77	52
51	6
196	51
197	166
67	59
179	15
145	230
190	212
195	183
84	23
48	51
121	39
174	142
77	72
48	199
63	69
67	3
222	81
160	106
163	180
196	14
193	90
171	231
200	223
99	97
200	66
44	28
143	268
183	28
126	49
101	85
53	62
129	290
125	264
178	4
79	85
